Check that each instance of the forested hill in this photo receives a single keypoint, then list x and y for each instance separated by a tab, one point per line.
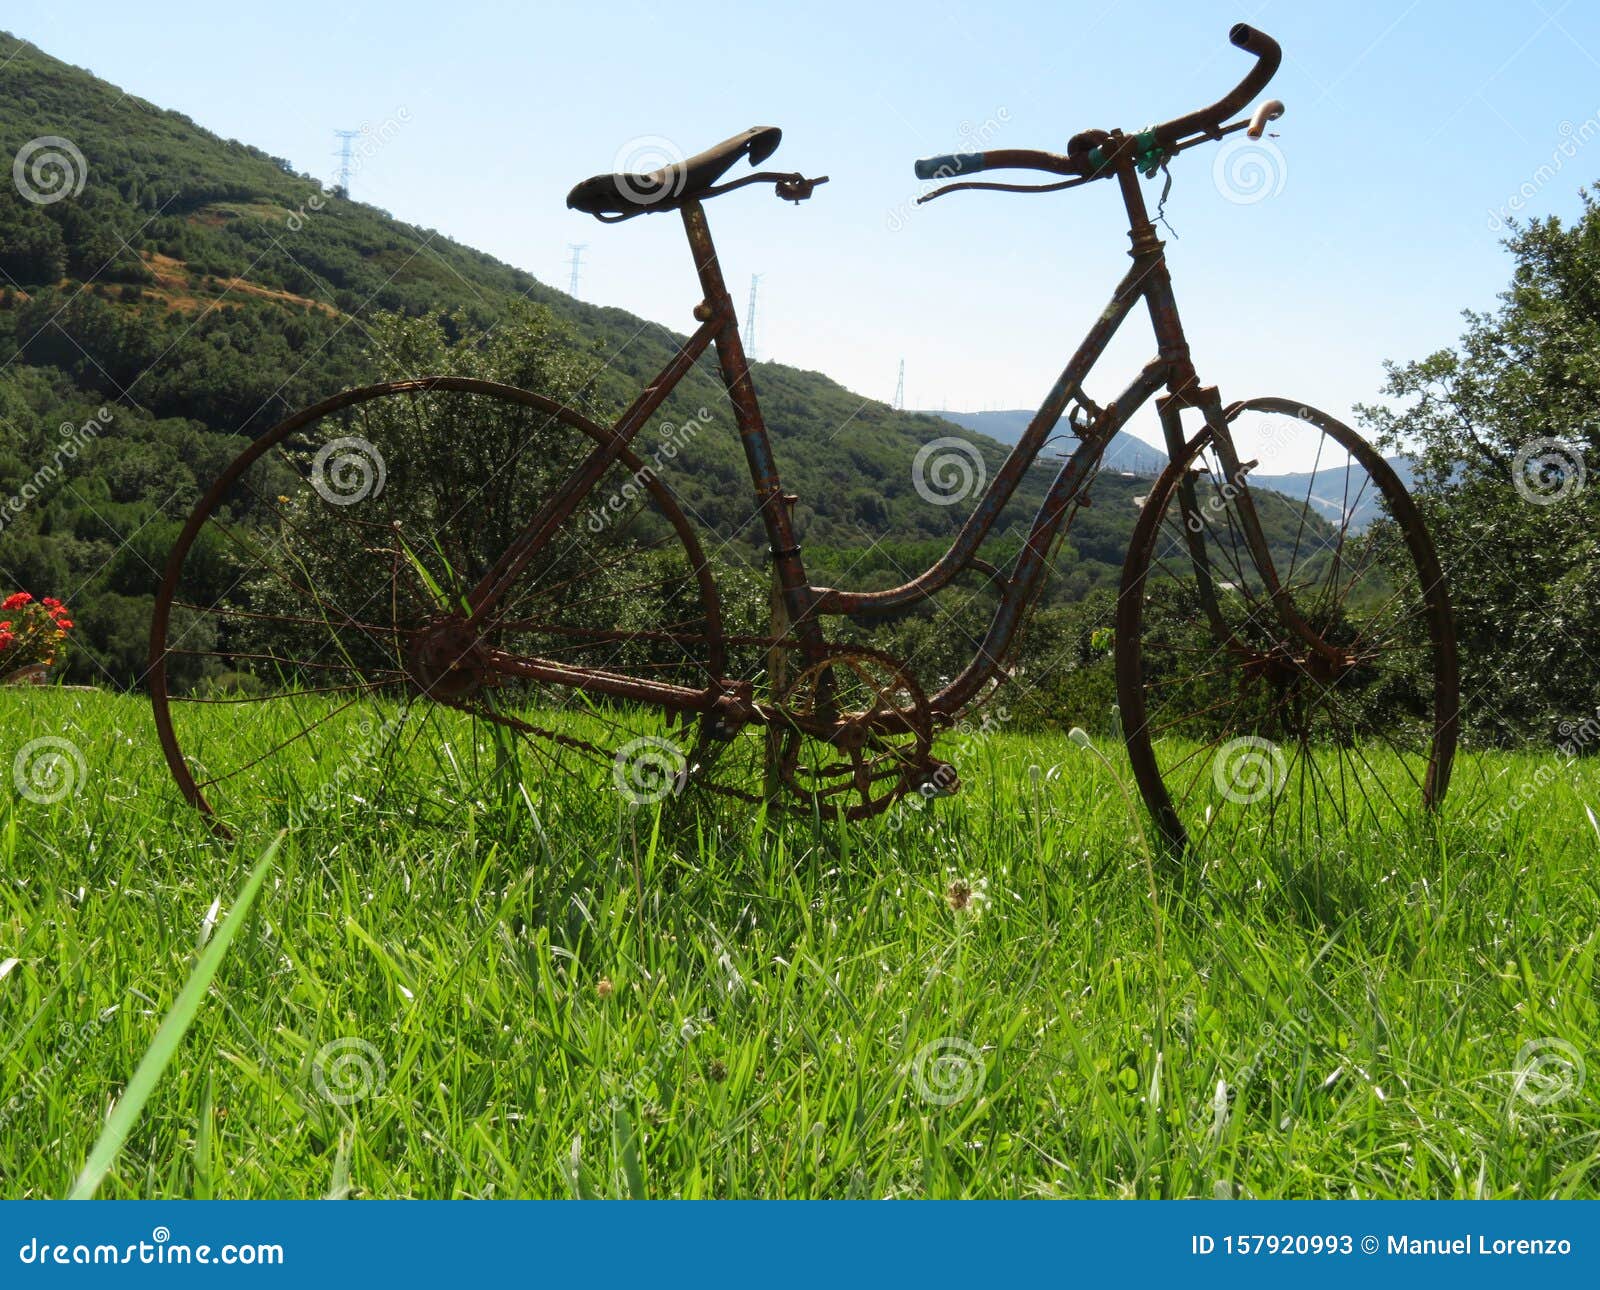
1124	452
199	278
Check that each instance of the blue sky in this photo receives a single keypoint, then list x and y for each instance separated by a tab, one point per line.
1409	127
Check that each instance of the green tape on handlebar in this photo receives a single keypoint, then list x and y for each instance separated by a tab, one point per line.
1149	155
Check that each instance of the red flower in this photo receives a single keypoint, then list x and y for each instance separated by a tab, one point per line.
38	633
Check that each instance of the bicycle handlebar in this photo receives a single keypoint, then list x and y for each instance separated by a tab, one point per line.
1209	119
1085	162
950	164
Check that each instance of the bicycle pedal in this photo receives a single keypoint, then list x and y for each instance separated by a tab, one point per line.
732	708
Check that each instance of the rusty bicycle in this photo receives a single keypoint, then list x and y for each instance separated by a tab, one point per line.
418	594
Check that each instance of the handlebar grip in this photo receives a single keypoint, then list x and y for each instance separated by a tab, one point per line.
949	164
1268	112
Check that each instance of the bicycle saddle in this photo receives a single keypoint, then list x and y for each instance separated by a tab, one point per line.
632	194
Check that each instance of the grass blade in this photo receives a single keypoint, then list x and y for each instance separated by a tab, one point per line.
628	1145
170	1034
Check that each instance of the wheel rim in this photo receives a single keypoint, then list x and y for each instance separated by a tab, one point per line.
1243	730
308	640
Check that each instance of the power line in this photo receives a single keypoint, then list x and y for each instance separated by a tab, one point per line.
576	263
750	321
341	179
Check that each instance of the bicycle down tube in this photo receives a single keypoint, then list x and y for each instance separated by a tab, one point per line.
999	493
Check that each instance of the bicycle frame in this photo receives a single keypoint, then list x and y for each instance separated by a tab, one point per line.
1147	280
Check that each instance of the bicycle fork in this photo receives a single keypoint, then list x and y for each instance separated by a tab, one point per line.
1234	491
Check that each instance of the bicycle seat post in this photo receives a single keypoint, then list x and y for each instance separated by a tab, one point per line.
776	512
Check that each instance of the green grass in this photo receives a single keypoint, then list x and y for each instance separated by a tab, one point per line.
579	1006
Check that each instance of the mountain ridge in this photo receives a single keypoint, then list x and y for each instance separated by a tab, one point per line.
1322	489
1125	452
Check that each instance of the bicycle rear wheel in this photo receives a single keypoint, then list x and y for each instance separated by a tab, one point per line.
307	648
1246	729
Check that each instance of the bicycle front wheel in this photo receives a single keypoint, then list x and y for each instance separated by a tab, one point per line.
1257	722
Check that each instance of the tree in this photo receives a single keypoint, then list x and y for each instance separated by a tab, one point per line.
1504	430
